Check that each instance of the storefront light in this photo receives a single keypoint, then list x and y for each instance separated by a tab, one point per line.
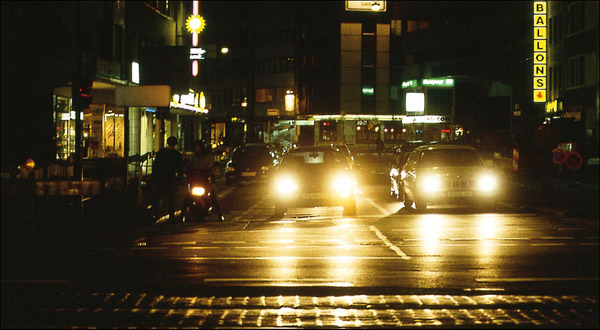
70	115
415	102
290	99
135	73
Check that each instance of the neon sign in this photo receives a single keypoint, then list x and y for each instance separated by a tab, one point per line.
539	50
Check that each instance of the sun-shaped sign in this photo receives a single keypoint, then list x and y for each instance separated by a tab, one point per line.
195	23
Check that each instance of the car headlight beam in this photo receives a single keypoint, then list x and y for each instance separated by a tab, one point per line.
198	191
344	185
431	184
487	182
286	186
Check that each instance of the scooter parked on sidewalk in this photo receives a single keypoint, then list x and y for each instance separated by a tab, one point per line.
198	201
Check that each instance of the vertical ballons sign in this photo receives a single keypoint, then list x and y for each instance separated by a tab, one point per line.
540	13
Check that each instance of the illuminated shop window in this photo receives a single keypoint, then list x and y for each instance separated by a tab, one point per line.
328	131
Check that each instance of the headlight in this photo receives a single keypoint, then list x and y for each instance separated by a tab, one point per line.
394	172
198	191
264	168
431	184
487	182
286	186
344	185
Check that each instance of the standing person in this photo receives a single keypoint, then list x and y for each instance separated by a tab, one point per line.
168	163
203	160
379	147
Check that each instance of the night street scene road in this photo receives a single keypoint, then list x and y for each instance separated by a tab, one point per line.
300	164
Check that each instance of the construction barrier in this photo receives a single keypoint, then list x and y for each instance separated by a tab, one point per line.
67	188
515	162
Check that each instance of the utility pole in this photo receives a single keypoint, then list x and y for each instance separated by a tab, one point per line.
75	91
251	77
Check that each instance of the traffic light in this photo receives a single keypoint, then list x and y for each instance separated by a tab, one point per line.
82	93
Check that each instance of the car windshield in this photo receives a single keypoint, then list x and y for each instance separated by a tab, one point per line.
450	157
297	160
260	152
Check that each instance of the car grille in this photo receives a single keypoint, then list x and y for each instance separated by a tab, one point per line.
459	184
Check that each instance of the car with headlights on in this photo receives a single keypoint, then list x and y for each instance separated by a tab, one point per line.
250	162
341	147
312	177
448	174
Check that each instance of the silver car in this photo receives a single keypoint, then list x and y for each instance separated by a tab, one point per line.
448	174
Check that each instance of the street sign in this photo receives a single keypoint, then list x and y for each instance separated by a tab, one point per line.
558	156
573	160
539	95
143	96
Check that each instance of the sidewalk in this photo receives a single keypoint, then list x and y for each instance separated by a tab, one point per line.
567	198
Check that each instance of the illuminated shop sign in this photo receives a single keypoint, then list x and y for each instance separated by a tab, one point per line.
378	5
304	123
425	119
409	84
439	82
191	101
197	53
368	90
429	82
539	50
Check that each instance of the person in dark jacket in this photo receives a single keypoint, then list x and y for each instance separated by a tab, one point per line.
167	166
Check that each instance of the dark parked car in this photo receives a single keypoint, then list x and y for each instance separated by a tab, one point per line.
249	162
314	176
448	174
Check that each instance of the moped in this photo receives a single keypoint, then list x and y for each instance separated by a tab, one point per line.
198	200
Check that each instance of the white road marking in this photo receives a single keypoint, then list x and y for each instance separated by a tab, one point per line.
227	242
388	243
345	257
178	243
535	279
285	282
381	209
37	281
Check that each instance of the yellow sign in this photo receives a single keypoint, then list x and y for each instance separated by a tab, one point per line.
539	33
539	45
539	7
195	23
539	70
539	20
539	83
539	96
539	58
